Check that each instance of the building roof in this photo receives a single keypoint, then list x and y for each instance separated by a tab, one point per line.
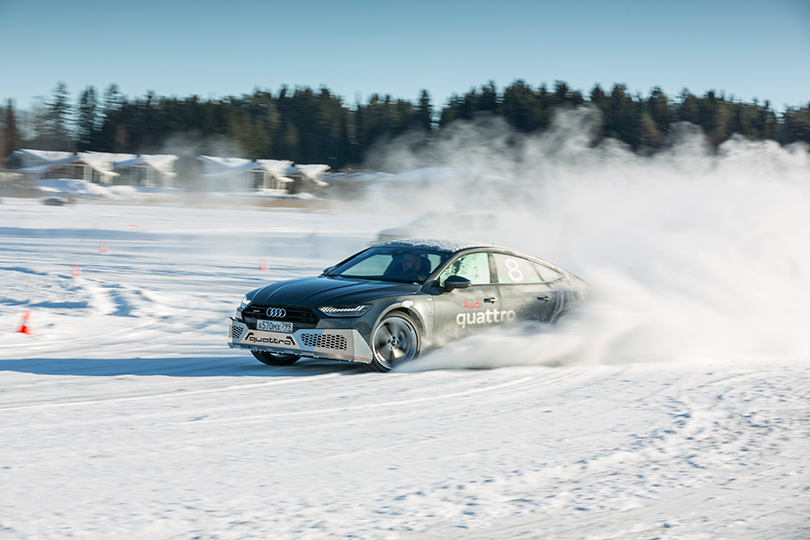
52	160
162	163
229	166
310	172
45	155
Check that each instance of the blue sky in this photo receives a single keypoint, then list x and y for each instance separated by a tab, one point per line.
751	49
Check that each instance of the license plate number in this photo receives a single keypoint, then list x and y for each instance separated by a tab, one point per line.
274	326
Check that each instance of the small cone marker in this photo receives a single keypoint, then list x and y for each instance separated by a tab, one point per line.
76	271
102	248
263	264
96	225
132	227
24	327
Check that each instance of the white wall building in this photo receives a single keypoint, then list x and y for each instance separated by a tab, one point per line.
237	174
40	164
307	177
96	167
148	170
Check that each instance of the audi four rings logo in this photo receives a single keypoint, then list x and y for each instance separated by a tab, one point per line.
276	312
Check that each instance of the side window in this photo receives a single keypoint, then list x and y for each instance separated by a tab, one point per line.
515	270
474	267
546	274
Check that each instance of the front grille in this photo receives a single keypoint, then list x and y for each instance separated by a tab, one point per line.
324	341
299	316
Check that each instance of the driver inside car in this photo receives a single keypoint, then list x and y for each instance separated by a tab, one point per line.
409	265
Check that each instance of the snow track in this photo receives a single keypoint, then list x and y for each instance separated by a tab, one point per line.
124	415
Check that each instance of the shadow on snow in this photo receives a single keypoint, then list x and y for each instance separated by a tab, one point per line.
211	366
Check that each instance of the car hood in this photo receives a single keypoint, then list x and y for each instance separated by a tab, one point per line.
325	291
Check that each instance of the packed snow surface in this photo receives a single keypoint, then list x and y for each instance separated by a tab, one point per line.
124	415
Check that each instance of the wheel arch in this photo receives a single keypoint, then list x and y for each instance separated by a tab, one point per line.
410	312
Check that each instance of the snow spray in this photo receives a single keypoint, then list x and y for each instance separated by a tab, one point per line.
693	254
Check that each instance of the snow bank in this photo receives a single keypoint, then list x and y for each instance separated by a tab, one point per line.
80	189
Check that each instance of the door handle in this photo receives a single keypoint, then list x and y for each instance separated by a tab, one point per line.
491	300
544	298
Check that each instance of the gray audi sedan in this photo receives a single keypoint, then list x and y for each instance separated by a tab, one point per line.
389	303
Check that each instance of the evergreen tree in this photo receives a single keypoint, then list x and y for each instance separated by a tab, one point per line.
111	133
424	112
659	109
87	118
624	116
12	140
488	101
797	124
687	108
3	143
523	108
59	119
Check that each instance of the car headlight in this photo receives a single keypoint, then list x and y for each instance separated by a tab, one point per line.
344	311
245	303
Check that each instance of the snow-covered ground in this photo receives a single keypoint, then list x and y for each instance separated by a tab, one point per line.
677	407
124	415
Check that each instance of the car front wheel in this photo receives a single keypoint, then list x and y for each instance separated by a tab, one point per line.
274	359
394	341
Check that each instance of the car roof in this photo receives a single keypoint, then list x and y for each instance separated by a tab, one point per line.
442	245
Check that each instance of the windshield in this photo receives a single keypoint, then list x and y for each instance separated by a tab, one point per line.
391	263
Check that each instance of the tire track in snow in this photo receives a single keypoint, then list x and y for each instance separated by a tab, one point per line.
173	393
388	405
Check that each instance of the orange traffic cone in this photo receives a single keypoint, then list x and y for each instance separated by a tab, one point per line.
263	264
24	327
76	271
102	248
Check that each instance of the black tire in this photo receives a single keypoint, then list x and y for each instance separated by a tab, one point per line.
275	359
394	341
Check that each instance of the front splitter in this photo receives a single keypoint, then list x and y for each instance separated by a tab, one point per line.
338	344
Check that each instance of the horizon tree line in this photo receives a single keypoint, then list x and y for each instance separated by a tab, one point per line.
309	126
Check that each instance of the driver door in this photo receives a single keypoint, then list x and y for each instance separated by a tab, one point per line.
462	312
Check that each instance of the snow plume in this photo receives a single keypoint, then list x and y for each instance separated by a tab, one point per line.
692	254
187	146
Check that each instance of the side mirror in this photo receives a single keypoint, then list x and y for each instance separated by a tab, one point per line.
327	270
456	282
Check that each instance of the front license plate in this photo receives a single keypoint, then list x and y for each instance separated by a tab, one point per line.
275	326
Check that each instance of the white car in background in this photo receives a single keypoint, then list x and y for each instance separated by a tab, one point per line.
459	224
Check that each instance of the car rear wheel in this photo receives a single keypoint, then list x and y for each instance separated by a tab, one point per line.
275	359
394	341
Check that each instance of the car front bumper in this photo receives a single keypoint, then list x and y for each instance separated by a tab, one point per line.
336	344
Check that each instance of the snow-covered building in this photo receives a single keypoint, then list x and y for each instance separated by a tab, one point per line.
148	170
96	167
93	167
238	174
307	177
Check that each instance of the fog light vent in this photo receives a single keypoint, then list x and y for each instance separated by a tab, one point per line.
324	341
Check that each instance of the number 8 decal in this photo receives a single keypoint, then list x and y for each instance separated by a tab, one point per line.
514	271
